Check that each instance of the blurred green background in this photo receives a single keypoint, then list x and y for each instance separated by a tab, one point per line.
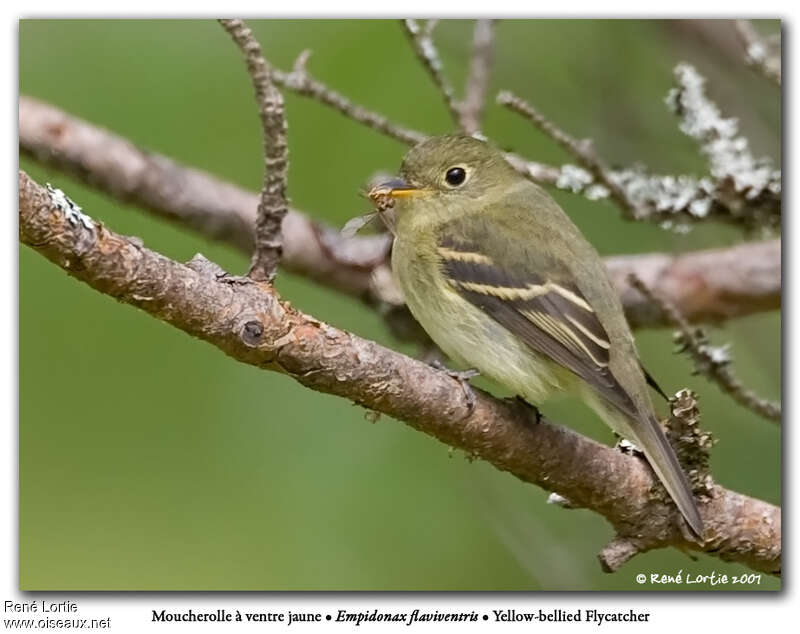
149	460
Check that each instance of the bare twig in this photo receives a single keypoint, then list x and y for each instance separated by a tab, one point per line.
421	40
272	206
758	53
249	323
302	83
710	361
709	285
471	109
467	114
582	150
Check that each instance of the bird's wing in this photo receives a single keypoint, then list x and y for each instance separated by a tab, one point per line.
533	295
653	383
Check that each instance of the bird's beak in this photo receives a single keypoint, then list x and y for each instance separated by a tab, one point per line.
395	188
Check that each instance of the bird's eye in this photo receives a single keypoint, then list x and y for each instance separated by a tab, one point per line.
455	176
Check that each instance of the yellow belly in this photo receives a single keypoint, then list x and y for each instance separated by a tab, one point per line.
472	338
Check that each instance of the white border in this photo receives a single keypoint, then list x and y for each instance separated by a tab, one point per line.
131	612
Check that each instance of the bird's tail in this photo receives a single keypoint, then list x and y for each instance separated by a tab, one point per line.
650	438
646	433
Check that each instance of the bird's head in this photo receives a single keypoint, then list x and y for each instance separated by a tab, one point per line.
447	173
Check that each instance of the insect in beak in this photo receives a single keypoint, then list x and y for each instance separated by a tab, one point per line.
395	188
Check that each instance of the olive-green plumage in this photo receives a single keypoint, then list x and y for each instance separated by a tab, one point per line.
504	282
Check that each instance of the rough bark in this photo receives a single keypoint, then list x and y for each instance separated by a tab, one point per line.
272	204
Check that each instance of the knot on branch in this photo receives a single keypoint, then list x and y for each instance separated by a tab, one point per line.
252	332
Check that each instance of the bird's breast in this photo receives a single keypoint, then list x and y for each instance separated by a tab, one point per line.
468	335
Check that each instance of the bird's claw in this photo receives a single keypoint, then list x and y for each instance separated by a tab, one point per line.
463	378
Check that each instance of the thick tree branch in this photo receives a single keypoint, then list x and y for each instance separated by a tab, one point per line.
272	206
709	286
247	321
705	286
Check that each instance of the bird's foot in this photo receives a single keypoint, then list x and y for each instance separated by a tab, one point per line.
528	408
463	378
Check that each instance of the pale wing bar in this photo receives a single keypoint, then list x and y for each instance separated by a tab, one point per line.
551	317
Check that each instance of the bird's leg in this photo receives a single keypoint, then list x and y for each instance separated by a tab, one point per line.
463	378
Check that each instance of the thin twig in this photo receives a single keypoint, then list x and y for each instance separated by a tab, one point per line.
757	51
421	40
249	323
273	205
710	361
302	83
582	150
478	78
